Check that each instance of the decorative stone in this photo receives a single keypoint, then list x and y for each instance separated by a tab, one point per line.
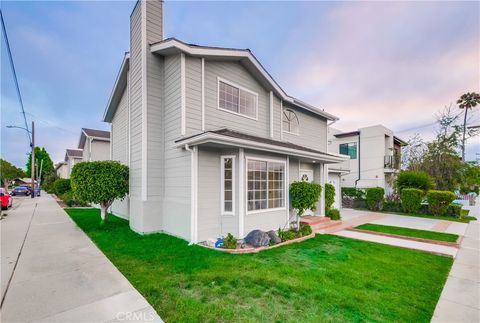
257	238
274	238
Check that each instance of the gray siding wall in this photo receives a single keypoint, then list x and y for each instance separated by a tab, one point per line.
100	150
119	143
135	103
211	223
313	130
176	210
215	118
193	91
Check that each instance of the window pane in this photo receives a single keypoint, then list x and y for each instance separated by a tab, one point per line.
228	195
228	97
228	206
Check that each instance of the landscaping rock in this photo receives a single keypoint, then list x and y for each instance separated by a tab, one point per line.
257	238
274	238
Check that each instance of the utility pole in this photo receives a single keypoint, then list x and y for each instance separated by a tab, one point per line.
33	161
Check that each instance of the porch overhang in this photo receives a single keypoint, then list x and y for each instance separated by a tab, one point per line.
228	138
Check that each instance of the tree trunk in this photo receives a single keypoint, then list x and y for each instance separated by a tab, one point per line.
464	131
103	212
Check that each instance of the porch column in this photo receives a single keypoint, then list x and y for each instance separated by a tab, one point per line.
241	192
321	180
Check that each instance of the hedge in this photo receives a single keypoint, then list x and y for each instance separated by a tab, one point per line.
333	214
329	196
414	179
375	198
411	199
62	186
439	201
353	193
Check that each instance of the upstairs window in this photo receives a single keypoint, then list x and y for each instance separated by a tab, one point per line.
290	122
349	149
235	99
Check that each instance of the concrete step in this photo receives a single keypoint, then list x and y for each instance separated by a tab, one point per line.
325	225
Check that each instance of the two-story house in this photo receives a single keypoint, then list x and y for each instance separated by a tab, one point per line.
212	141
61	169
72	157
375	155
95	144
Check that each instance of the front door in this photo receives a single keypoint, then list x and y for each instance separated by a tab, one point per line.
306	175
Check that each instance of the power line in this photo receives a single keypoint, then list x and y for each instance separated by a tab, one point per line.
4	30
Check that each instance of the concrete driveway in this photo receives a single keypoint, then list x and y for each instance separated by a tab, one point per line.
52	272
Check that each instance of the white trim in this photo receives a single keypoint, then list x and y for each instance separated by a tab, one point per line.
287	188
219	79
271	114
203	94
111	145
129	111
240	54
281	119
222	185
273	160
241	192
298	121
243	143
193	193
144	99
182	94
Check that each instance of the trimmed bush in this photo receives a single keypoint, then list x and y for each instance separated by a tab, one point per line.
414	179
454	210
305	230
48	182
305	195
411	199
353	193
62	186
375	198
333	214
439	201
329	196
392	206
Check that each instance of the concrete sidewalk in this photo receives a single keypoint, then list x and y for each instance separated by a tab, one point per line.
460	298
61	276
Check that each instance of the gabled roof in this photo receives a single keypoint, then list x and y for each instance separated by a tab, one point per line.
93	133
171	46
75	153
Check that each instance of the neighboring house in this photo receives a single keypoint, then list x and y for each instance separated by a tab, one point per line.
62	170
72	156
375	155
211	140
95	144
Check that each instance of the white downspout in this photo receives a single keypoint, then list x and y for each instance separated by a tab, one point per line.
193	193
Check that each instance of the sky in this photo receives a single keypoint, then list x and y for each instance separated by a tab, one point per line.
390	63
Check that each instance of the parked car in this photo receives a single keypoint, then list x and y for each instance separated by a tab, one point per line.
7	200
21	190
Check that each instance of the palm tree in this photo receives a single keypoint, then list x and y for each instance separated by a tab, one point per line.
467	101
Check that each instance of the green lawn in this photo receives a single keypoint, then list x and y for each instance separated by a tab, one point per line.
440	236
324	279
465	218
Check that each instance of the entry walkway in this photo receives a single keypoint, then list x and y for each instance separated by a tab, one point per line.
60	275
460	299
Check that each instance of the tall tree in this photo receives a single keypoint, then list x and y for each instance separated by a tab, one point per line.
47	166
9	172
467	101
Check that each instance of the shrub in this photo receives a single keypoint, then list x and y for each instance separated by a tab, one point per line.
414	179
69	199
333	214
375	198
411	199
100	182
454	210
48	182
353	193
439	201
286	235
329	196
62	186
304	196
230	242
305	230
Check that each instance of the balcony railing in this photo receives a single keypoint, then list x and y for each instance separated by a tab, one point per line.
391	162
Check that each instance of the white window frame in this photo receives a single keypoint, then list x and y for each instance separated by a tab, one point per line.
283	128
222	185
219	79
279	161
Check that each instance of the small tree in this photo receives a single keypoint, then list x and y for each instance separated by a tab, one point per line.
100	182
9	172
304	197
467	101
